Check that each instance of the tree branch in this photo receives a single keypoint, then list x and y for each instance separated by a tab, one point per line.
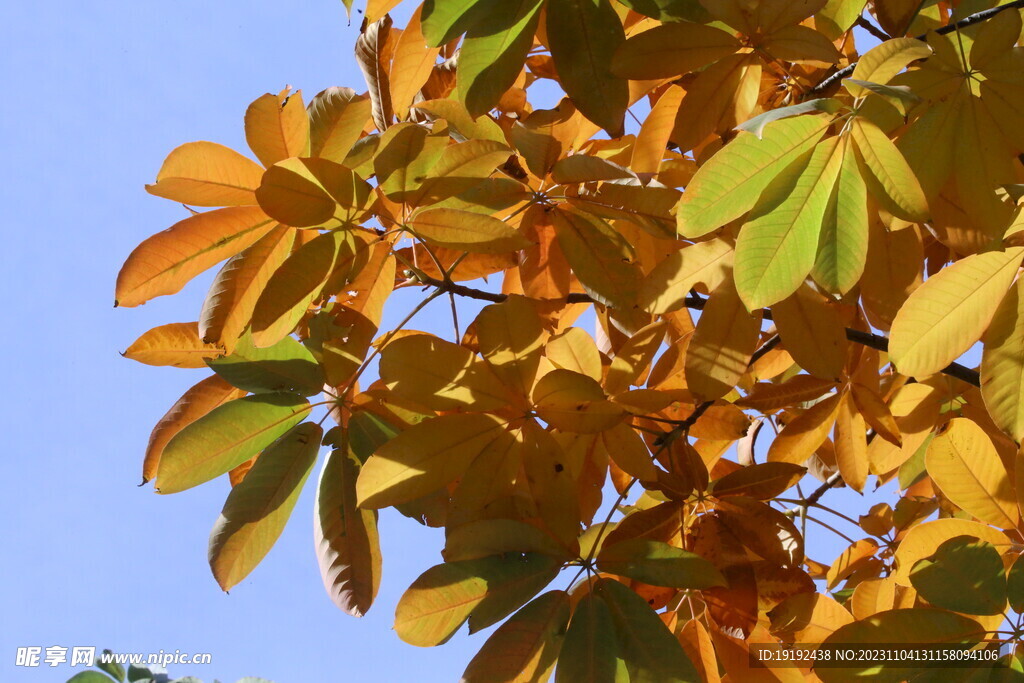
874	341
963	23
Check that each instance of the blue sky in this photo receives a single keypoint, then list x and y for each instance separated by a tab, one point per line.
98	94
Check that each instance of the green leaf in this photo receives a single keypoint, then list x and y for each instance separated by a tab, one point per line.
776	248
889	177
590	649
444	596
601	258
583	36
669	10
963	575
898	627
757	124
115	669
493	52
138	673
89	677
258	507
843	243
346	539
406	154
226	437
285	366
368	432
1015	585
650	650
526	646
729	184
467	231
837	16
658	564
445	20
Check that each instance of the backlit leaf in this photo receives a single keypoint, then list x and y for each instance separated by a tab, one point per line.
945	316
165	262
964	464
729	184
722	344
467	231
590	648
1002	365
671	50
257	508
336	120
600	257
277	129
776	248
285	366
226	437
890	178
425	457
207	174
174	344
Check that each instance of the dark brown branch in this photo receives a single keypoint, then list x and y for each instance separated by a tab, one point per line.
963	23
874	341
872	29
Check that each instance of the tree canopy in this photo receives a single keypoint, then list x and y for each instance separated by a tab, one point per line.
787	243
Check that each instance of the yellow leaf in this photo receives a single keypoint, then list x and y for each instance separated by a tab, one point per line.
666	287
854	558
405	157
575	350
337	117
812	332
895	17
808	618
890	178
964	464
165	262
877	414
851	444
653	137
634	357
511	338
802	44
525	647
296	284
193	404
947	314
573	402
467	231
600	257
444	596
628	451
1002	365
455	113
232	298
843	245
802	436
777	246
277	129
671	50
722	96
729	184
440	375
924	539
175	344
881	63
258	508
722	344
798	389
873	596
426	457
207	174
311	192
459	171
411	65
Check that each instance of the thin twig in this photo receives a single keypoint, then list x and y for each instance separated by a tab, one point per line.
863	23
963	23
874	341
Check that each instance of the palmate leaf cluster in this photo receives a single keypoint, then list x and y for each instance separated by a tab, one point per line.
846	222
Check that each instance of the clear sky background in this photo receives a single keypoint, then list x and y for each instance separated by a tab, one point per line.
98	94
